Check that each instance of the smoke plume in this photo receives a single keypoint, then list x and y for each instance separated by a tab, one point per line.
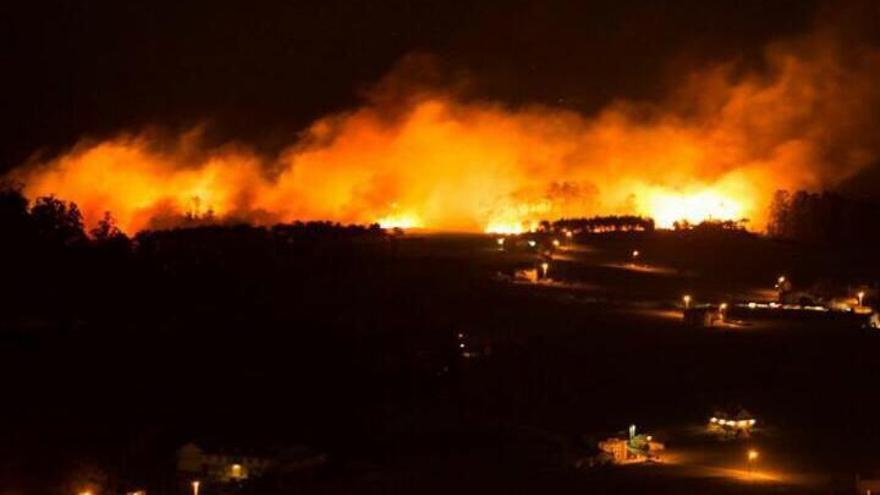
717	146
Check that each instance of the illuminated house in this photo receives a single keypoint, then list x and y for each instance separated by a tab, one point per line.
631	449
740	424
219	465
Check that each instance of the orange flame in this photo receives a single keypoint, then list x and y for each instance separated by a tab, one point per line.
718	148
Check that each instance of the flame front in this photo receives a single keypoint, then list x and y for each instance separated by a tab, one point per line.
718	148
667	208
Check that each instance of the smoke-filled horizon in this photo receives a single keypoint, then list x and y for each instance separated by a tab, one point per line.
718	144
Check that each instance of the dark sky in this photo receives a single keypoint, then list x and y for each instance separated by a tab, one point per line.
259	71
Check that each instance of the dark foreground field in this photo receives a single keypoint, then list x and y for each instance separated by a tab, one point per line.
111	361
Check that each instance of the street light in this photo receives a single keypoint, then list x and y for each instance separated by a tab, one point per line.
780	282
861	295
635	254
195	486
752	456
687	300
555	242
544	267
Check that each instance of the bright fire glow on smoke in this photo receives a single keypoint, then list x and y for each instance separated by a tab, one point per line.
717	148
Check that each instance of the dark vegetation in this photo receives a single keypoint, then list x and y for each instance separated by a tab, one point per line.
611	223
115	351
709	227
824	218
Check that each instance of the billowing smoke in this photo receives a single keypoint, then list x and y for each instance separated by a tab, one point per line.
718	146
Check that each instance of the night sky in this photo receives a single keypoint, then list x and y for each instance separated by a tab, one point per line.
257	72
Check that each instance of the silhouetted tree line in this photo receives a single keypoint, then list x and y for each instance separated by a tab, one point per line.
823	218
46	250
711	226
53	223
612	223
49	220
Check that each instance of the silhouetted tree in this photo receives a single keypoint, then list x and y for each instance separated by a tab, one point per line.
709	226
778	224
57	221
823	218
13	210
106	229
107	235
612	223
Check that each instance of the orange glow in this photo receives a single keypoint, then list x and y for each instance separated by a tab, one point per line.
717	147
509	228
666	208
400	220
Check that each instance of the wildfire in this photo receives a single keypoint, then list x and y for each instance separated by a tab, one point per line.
717	149
667	208
508	228
400	221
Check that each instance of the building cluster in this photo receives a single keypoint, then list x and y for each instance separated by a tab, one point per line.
833	298
741	424
820	302
204	465
631	448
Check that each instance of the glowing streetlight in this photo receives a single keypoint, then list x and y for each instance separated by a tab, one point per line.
686	299
861	296
555	242
195	487
722	311
635	254
752	456
500	241
532	243
568	234
544	267
780	282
